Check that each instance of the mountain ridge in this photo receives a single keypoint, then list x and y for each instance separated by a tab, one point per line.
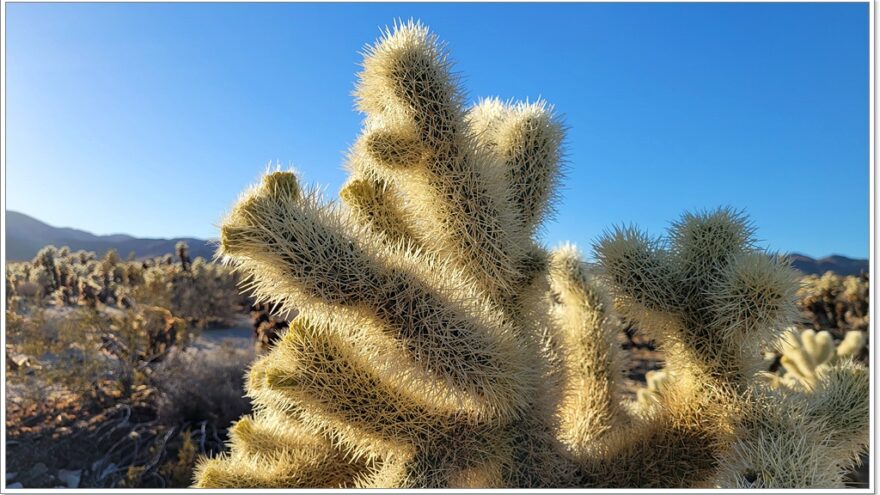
25	235
841	265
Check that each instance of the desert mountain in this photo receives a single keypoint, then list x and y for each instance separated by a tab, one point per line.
840	265
25	236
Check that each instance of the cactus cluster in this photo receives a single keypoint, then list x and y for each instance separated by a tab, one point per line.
804	355
62	277
438	344
144	335
197	290
834	302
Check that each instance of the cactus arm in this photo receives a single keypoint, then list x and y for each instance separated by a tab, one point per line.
637	271
454	194
306	256
270	451
525	139
594	423
375	203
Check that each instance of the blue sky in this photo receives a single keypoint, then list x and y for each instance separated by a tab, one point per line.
149	119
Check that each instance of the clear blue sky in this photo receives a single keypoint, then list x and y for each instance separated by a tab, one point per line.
149	119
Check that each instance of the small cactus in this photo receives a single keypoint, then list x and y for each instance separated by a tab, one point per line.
805	354
182	249
656	382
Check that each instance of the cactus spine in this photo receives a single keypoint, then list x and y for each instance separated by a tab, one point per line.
712	301
438	344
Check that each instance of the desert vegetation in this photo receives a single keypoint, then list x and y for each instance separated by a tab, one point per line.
85	411
101	396
110	380
437	344
416	334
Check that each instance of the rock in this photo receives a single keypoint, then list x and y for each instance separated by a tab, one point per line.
39	469
10	476
15	485
71	477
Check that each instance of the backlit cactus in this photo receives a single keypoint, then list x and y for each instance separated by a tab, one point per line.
806	354
438	344
711	300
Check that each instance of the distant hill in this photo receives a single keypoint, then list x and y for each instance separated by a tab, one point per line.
25	236
840	265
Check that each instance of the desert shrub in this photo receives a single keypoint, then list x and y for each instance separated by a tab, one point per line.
203	385
115	390
85	351
204	292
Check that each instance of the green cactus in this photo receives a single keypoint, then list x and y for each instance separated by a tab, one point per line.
439	345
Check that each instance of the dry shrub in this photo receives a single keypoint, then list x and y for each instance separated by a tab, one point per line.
203	385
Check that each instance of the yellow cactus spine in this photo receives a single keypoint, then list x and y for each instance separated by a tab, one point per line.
438	344
405	354
712	300
593	418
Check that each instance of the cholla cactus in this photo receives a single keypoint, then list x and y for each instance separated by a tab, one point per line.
412	352
712	300
182	249
806	354
45	272
656	382
437	344
835	302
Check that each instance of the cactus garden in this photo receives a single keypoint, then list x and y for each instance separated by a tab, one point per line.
415	332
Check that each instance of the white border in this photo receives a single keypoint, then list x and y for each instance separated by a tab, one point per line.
872	264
